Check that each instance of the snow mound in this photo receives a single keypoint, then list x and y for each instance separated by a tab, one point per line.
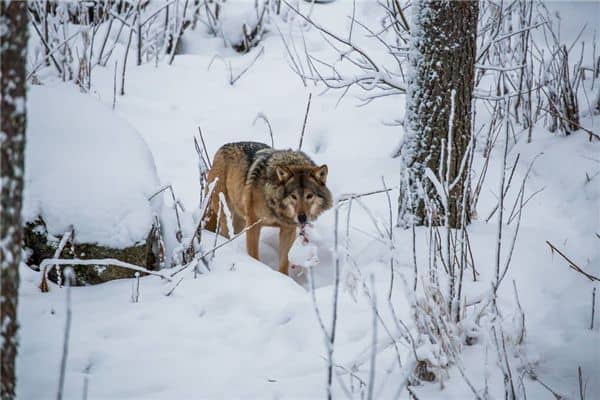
234	16
87	167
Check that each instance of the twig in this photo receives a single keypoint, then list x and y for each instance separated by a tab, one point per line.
581	386
589	132
46	45
218	227
178	234
103	261
233	79
522	315
123	21
114	102
349	372
519	214
138	29
336	288
501	205
461	369
61	245
184	24
531	196
593	308
110	24
189	249
350	196
158	11
572	265
43	61
135	288
405	374
216	248
334	36
170	292
204	147
391	237
512	172
373	341
202	164
125	57
86	384
65	351
304	123
548	388
264	118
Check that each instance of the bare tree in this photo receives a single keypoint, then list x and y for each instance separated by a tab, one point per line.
13	52
438	112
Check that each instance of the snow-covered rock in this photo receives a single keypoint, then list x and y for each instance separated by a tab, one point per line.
88	168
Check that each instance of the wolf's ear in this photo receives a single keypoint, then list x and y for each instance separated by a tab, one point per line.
283	174
320	173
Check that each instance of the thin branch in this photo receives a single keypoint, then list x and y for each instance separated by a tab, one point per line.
593	308
305	119
170	292
572	265
103	261
48	55
46	45
246	229
350	196
266	120
204	147
589	132
247	67
65	350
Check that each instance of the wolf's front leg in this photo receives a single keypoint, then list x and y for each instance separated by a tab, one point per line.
252	239
287	235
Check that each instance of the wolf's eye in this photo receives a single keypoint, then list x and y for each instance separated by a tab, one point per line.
293	196
310	196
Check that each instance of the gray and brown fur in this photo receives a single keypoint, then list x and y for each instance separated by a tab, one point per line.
279	188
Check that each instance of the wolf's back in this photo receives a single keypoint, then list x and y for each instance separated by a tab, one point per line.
266	160
247	149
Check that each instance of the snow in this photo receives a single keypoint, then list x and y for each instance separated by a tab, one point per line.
245	331
305	251
232	20
88	168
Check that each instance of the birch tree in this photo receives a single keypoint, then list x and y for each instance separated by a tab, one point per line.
438	109
13	51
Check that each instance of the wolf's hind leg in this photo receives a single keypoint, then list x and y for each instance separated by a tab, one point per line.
211	220
238	223
211	214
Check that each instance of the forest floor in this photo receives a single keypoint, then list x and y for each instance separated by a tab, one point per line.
246	331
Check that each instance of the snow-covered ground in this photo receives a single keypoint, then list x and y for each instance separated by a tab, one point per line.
244	331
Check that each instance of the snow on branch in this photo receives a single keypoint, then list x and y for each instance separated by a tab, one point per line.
103	261
371	74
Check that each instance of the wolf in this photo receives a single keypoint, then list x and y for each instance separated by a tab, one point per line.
266	187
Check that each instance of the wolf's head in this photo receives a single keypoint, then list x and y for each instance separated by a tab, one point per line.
301	194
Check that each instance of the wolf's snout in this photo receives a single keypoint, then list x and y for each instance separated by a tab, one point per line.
302	218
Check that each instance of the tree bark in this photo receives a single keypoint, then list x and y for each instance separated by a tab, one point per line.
438	109
13	52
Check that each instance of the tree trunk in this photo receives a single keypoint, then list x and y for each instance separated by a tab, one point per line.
438	109
13	45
